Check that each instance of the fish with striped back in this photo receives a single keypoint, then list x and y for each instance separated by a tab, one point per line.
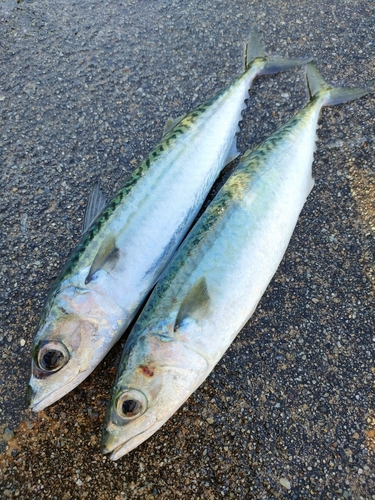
125	246
217	277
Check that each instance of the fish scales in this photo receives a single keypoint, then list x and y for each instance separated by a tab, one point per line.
236	208
164	170
216	278
129	185
122	253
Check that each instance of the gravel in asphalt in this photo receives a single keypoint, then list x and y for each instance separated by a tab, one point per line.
85	91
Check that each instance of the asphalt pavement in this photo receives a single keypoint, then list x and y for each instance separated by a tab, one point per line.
85	90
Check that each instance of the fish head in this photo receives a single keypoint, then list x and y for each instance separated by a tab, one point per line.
72	338
156	375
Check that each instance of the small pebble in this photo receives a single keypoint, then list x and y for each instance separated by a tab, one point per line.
284	482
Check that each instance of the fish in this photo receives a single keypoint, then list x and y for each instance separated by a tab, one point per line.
127	242
215	280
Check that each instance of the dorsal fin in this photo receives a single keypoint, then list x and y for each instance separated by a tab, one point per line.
95	204
106	258
170	123
195	303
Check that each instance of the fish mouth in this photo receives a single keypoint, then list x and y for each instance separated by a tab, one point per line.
32	405
35	406
124	448
41	404
120	450
52	397
131	443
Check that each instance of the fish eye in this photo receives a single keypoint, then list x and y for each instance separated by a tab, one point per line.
131	404
52	356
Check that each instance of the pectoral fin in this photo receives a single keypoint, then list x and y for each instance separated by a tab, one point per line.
106	258
195	304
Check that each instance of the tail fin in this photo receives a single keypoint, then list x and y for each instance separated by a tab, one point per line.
338	95
254	49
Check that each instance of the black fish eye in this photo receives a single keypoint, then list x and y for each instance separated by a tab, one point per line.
52	356
51	359
131	404
130	407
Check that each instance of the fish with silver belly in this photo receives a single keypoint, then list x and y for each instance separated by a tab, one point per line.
216	278
125	246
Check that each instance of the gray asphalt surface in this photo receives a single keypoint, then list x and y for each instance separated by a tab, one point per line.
85	90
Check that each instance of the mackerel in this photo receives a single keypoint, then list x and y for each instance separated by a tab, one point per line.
216	278
125	248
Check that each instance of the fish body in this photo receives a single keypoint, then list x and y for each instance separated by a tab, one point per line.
123	251
216	278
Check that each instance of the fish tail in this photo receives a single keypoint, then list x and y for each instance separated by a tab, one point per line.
254	49
331	95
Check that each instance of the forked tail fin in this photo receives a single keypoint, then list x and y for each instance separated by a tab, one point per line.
254	49
332	95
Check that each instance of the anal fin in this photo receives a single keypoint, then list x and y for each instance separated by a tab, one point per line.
311	185
233	152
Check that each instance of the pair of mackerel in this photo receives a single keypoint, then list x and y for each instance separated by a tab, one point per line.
207	289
